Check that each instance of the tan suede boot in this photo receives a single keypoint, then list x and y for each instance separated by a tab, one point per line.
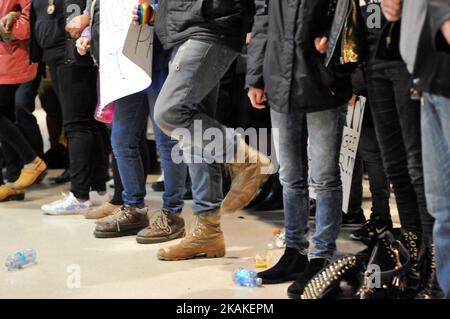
248	173
206	240
106	209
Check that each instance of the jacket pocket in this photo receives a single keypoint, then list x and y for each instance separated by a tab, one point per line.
214	9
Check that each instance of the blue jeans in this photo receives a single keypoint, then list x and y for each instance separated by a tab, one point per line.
129	126
188	101
324	141
436	165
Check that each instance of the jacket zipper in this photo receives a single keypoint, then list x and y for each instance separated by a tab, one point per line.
389	37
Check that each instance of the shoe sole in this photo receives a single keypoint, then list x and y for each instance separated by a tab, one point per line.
49	213
293	296
157	240
200	255
104	235
291	277
346	226
13	198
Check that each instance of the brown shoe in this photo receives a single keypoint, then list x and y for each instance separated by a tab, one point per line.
164	227
106	209
206	240
31	174
129	221
248	174
8	193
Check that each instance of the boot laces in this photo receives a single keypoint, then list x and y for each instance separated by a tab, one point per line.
160	221
121	216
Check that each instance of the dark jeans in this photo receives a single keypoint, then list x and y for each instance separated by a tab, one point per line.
9	132
369	156
25	120
397	124
76	89
129	126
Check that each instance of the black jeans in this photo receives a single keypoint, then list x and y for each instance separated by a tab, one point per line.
25	120
369	156
76	89
397	124
9	132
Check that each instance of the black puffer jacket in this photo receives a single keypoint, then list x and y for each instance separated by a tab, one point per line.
55	34
283	60
224	20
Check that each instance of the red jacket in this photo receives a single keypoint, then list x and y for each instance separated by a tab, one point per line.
15	67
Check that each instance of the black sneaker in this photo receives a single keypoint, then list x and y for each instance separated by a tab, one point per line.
369	233
288	268
312	268
61	179
354	219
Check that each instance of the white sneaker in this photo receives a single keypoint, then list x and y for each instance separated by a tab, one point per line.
69	205
96	199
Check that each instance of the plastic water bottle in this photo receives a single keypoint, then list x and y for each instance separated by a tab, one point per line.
20	259
246	278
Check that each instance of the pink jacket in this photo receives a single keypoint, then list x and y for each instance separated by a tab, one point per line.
15	67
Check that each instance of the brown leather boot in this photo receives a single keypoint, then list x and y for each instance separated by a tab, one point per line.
163	227
206	240
248	173
127	222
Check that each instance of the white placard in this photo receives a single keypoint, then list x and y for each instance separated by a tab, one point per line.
119	76
349	147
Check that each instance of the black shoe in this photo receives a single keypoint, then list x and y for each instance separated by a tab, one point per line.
312	268
158	186
288	268
61	179
368	234
430	287
353	219
274	200
412	279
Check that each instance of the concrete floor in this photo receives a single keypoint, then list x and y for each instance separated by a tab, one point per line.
68	254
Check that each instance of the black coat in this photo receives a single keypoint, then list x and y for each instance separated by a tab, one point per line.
70	53
432	70
224	20
283	60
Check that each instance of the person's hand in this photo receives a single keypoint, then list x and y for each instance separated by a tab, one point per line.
248	38
6	25
392	9
352	101
83	45
134	15
446	30
321	44
77	25
257	97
